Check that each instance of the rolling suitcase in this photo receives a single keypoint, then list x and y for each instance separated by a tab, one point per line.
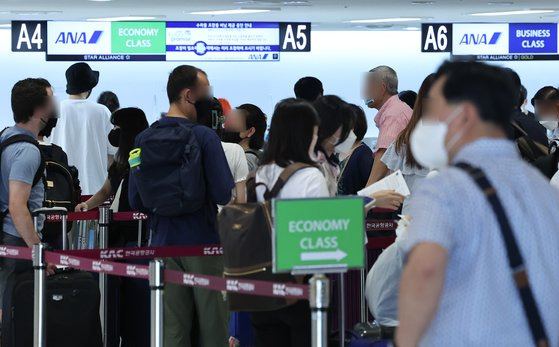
72	305
72	310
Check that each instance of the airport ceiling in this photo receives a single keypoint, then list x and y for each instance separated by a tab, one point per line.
324	14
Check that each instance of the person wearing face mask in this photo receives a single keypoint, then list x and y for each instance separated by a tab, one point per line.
246	126
546	105
459	287
381	92
399	154
82	128
356	166
193	316
21	186
293	137
128	123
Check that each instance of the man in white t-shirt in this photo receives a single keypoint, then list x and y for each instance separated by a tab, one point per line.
83	129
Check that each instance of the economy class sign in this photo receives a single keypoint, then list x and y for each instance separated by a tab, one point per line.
138	37
326	235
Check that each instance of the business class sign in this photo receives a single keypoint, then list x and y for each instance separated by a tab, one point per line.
488	41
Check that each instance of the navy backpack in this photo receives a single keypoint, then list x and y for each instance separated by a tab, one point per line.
169	176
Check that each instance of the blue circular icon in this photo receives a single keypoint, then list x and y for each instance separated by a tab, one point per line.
200	48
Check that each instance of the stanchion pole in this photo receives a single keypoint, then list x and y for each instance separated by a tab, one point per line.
104	220
363	303
39	300
319	301
341	310
156	285
64	232
140	224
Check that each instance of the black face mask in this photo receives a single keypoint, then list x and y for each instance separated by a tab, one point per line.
49	125
231	137
114	137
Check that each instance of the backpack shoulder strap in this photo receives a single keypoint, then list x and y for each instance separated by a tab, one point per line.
516	262
28	139
283	178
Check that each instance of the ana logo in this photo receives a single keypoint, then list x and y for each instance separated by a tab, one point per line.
66	260
78	37
480	39
136	271
100	266
213	250
112	254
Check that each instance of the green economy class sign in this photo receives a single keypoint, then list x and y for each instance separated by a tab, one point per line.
138	37
326	235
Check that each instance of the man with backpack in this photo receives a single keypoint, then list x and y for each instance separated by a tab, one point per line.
21	170
179	176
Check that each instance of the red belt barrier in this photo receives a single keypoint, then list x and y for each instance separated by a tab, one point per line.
274	289
15	252
148	252
92	265
264	288
94	215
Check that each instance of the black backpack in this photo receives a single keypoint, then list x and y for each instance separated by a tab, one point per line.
62	185
530	150
38	175
169	177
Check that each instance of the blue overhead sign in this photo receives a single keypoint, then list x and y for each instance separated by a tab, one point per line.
533	38
494	41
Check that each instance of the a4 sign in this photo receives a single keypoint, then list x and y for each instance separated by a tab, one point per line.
29	36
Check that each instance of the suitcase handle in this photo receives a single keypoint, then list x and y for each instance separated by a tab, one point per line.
50	211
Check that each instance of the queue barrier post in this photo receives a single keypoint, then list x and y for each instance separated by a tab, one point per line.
39	300
104	220
319	302
156	284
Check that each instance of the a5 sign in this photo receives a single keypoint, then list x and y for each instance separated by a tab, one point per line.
436	38
29	36
295	37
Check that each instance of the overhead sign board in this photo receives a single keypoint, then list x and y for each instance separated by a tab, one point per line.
318	235
29	36
493	41
207	41
160	41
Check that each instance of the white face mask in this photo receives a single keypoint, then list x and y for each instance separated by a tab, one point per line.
344	148
550	122
427	142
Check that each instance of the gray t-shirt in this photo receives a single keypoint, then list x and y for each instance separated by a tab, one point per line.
20	162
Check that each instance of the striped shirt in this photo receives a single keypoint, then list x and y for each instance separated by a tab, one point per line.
391	119
480	305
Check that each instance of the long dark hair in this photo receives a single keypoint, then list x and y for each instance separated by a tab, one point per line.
333	113
255	118
131	121
291	133
403	141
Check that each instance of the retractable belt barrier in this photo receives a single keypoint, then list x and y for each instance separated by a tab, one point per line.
263	288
